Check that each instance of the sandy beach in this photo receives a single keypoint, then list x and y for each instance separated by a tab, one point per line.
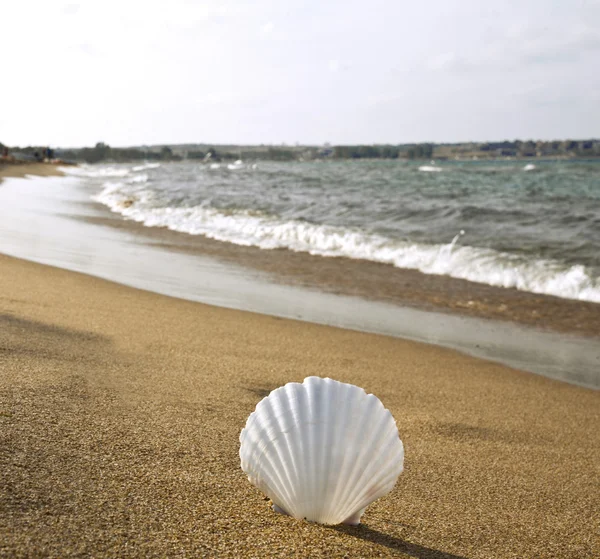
20	170
121	412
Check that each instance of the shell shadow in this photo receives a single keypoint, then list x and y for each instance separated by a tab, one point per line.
261	391
464	433
363	532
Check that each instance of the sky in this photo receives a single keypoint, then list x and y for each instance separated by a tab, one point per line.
274	71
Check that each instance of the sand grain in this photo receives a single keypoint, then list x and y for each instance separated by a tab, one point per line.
120	412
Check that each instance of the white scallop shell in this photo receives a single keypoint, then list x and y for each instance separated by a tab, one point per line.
322	450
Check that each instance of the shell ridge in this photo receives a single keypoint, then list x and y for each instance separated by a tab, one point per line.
265	478
313	395
355	471
344	424
285	496
379	436
382	481
389	481
301	450
292	401
330	391
347	424
341	421
391	469
293	397
327	450
379	489
322	450
267	473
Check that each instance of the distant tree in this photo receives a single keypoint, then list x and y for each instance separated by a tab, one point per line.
100	152
527	149
368	152
276	154
420	151
389	152
166	153
365	152
340	152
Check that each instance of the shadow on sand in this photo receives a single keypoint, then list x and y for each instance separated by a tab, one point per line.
412	549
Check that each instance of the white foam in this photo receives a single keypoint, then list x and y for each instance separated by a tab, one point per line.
430	169
137	179
247	228
529	167
146	166
96	172
235	166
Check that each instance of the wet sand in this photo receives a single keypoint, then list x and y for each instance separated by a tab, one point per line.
120	412
383	282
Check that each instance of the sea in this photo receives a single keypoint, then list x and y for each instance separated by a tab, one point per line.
533	227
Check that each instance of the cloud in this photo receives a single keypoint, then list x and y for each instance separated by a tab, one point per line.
522	46
87	49
442	61
230	99
71	9
208	65
336	65
267	28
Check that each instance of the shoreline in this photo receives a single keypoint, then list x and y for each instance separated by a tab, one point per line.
121	411
73	233
380	282
365	279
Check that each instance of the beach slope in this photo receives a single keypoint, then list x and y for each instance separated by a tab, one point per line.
22	169
120	413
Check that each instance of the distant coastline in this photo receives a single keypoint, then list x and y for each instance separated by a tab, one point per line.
468	151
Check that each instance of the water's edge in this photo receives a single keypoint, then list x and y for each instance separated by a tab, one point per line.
120	256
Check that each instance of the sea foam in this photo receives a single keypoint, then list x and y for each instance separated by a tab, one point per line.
253	228
146	166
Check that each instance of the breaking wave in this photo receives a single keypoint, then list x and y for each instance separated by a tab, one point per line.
254	228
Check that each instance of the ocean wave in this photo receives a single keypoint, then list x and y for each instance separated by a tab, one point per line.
430	169
107	171
97	172
145	166
252	228
236	165
137	179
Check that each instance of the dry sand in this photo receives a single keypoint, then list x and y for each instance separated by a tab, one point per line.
120	412
19	170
